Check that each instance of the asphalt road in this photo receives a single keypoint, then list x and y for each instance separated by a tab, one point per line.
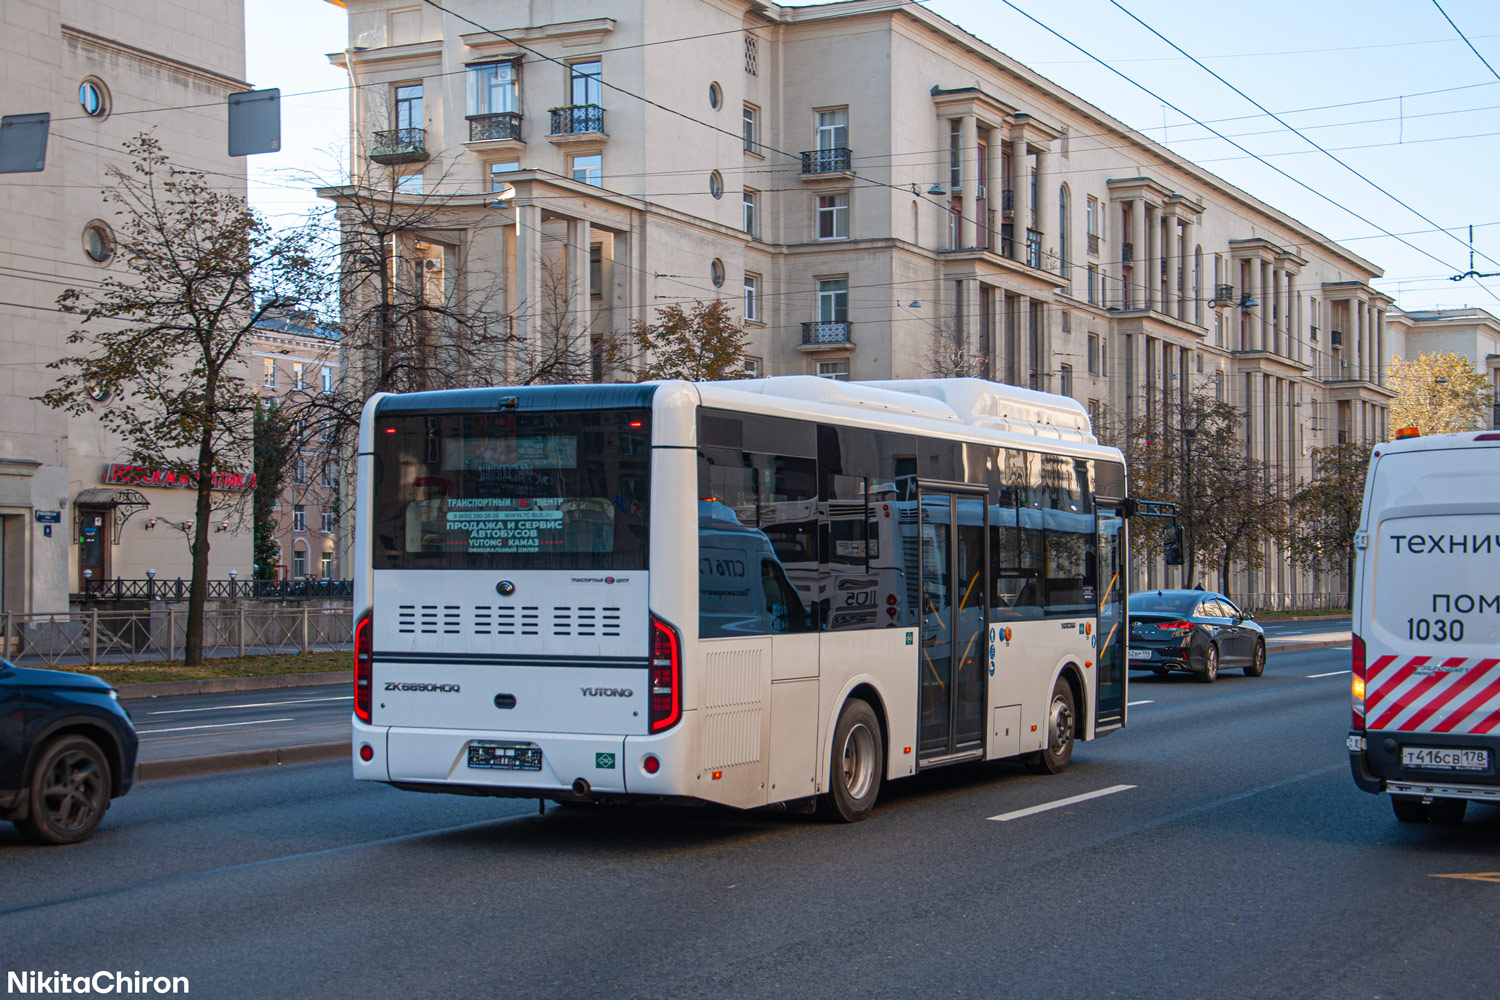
199	724
1241	861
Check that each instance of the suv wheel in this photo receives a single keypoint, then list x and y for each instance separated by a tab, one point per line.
68	793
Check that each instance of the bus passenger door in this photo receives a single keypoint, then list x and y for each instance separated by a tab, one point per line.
951	689
1111	673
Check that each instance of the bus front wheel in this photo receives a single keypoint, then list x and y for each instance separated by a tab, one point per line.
857	765
1059	733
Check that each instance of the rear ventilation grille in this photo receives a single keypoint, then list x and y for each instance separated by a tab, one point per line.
589	621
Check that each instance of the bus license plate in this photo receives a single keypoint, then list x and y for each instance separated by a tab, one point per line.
1140	654
505	757
1445	758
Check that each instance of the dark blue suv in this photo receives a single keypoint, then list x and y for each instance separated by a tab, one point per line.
66	748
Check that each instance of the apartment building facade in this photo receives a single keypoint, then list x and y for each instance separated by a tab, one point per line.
292	363
883	193
72	508
1470	332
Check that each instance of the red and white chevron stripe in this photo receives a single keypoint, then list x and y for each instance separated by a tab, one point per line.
1428	694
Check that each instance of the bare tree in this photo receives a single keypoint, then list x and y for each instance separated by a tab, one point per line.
164	366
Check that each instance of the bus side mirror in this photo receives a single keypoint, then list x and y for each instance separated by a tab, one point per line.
1174	546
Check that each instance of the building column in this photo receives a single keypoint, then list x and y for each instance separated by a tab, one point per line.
528	300
1137	290
968	151
1361	355
1251	323
1149	264
970	337
580	300
1380	347
1020	186
994	184
1192	291
1046	206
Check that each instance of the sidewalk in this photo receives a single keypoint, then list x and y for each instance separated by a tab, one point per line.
330	741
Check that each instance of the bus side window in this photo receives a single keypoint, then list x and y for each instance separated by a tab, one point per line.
783	606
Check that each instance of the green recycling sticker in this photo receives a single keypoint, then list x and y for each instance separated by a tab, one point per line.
605	761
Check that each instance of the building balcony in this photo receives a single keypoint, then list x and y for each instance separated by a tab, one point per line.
1127	253
487	128
1008	202
826	164
1093	239
826	335
1224	295
1335	338
580	121
400	145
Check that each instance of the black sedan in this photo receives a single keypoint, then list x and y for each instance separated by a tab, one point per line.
66	748
1194	630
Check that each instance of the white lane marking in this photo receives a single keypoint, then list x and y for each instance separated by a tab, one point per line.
1335	673
258	704
1033	810
216	725
1132	704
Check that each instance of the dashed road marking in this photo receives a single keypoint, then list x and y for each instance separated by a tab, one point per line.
216	725
1335	673
1033	810
1473	876
1132	704
257	704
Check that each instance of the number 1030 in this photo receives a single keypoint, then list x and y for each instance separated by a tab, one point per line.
1436	629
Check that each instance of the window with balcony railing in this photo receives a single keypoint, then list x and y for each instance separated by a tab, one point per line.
826	161
826	332
502	125
577	119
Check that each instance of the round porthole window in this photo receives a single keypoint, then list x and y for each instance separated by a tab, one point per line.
716	184
716	272
715	96
93	97
99	392
98	242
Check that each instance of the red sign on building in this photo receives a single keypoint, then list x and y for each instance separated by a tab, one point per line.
121	474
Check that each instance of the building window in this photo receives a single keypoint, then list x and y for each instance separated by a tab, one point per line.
716	272
586	82
298	379
98	242
329	525
299	473
409	183
1093	278
326	571
326	476
596	271
751	196
833	300
1103	356
327	429
327	384
836	370
1093	354
833	129
1066	380
716	184
498	172
715	96
409	106
588	168
269	379
299	563
752	54
752	297
299	517
833	217
750	123
93	97
955	157
494	89
752	368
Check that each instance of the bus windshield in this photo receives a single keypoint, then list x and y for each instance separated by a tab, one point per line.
512	490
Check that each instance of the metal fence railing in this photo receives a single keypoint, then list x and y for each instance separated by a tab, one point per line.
82	638
1315	601
152	589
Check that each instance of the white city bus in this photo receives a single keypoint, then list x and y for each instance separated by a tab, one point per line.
775	590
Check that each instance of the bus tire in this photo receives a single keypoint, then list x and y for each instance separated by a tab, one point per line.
1408	809
1257	661
856	767
1060	731
1447	812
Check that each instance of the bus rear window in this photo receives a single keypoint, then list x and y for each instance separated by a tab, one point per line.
512	490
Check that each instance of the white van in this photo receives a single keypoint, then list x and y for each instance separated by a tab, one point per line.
1426	687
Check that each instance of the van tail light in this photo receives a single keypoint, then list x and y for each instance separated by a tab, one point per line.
1357	685
665	699
364	662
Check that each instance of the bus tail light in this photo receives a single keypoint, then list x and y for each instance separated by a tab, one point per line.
665	699
364	661
1357	685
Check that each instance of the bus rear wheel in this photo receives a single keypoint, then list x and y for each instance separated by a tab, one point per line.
857	766
1060	725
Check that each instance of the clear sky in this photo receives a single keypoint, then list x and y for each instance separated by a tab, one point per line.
1387	86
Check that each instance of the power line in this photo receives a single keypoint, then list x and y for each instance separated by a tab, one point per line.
1291	128
1465	39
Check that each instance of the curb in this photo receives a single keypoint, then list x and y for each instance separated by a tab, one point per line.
1297	647
184	767
219	685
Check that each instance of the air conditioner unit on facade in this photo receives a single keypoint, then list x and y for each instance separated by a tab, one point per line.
432	264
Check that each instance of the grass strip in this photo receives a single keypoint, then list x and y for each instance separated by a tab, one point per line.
264	665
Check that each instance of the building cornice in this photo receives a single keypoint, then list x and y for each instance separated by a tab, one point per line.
587	32
208	76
